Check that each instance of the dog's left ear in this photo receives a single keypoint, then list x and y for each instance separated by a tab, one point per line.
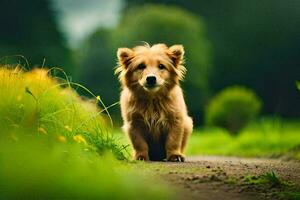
124	56
176	53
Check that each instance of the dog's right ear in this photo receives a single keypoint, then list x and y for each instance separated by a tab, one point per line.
124	56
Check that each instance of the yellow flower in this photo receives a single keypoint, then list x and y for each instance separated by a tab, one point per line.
68	128
42	130
98	98
79	139
62	138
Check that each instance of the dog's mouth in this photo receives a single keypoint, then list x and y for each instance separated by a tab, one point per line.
150	87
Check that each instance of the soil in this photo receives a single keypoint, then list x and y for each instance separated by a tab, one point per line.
211	177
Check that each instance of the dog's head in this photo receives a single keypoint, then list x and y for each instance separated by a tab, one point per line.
151	68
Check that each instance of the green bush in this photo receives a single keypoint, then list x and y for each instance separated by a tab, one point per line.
233	108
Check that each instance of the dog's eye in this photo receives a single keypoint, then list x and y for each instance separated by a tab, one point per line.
141	66
161	66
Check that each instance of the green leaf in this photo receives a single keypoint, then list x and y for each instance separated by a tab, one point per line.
298	84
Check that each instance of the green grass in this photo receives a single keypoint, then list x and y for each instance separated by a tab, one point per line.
44	169
269	137
42	105
270	180
55	145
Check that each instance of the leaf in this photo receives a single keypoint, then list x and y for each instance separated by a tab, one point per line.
298	85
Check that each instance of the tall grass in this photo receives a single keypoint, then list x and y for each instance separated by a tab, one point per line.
55	145
49	106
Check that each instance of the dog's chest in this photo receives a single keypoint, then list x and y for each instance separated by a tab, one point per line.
156	115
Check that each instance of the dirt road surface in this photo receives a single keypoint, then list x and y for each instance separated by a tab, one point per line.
215	177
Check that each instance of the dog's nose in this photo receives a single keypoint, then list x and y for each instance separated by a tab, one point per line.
151	80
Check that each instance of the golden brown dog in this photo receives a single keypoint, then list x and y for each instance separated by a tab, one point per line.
152	104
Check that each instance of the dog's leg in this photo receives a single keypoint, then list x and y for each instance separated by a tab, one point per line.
188	128
173	144
139	143
184	140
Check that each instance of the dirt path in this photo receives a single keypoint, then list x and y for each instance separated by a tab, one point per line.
209	178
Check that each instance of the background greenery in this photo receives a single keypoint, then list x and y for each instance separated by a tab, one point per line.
56	136
254	44
29	29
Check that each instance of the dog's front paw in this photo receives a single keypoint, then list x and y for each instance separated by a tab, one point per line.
141	157
176	158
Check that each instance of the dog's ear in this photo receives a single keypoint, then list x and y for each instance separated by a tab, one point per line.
124	56
176	53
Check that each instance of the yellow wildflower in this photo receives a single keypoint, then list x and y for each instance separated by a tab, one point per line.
68	128
79	139
62	138
98	98
42	130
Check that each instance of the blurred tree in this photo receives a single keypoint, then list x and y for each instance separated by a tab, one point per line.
256	43
97	66
171	25
153	24
28	28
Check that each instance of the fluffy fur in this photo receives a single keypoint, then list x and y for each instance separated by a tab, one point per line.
155	118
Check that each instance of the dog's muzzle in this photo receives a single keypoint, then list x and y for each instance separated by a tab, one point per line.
150	81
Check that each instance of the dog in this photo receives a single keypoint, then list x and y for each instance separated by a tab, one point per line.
153	109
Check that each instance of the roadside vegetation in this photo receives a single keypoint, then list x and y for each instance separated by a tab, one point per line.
266	137
54	144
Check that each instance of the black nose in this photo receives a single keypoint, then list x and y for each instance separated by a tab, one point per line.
151	80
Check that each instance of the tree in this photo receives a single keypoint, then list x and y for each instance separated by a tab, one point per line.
255	43
28	28
97	66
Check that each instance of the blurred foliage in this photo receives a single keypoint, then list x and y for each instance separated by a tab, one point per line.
255	43
252	43
41	168
97	64
298	85
28	28
233	108
41	105
153	24
265	137
54	145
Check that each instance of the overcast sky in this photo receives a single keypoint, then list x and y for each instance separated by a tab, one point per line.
78	18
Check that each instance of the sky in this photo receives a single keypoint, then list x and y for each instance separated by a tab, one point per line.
79	18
